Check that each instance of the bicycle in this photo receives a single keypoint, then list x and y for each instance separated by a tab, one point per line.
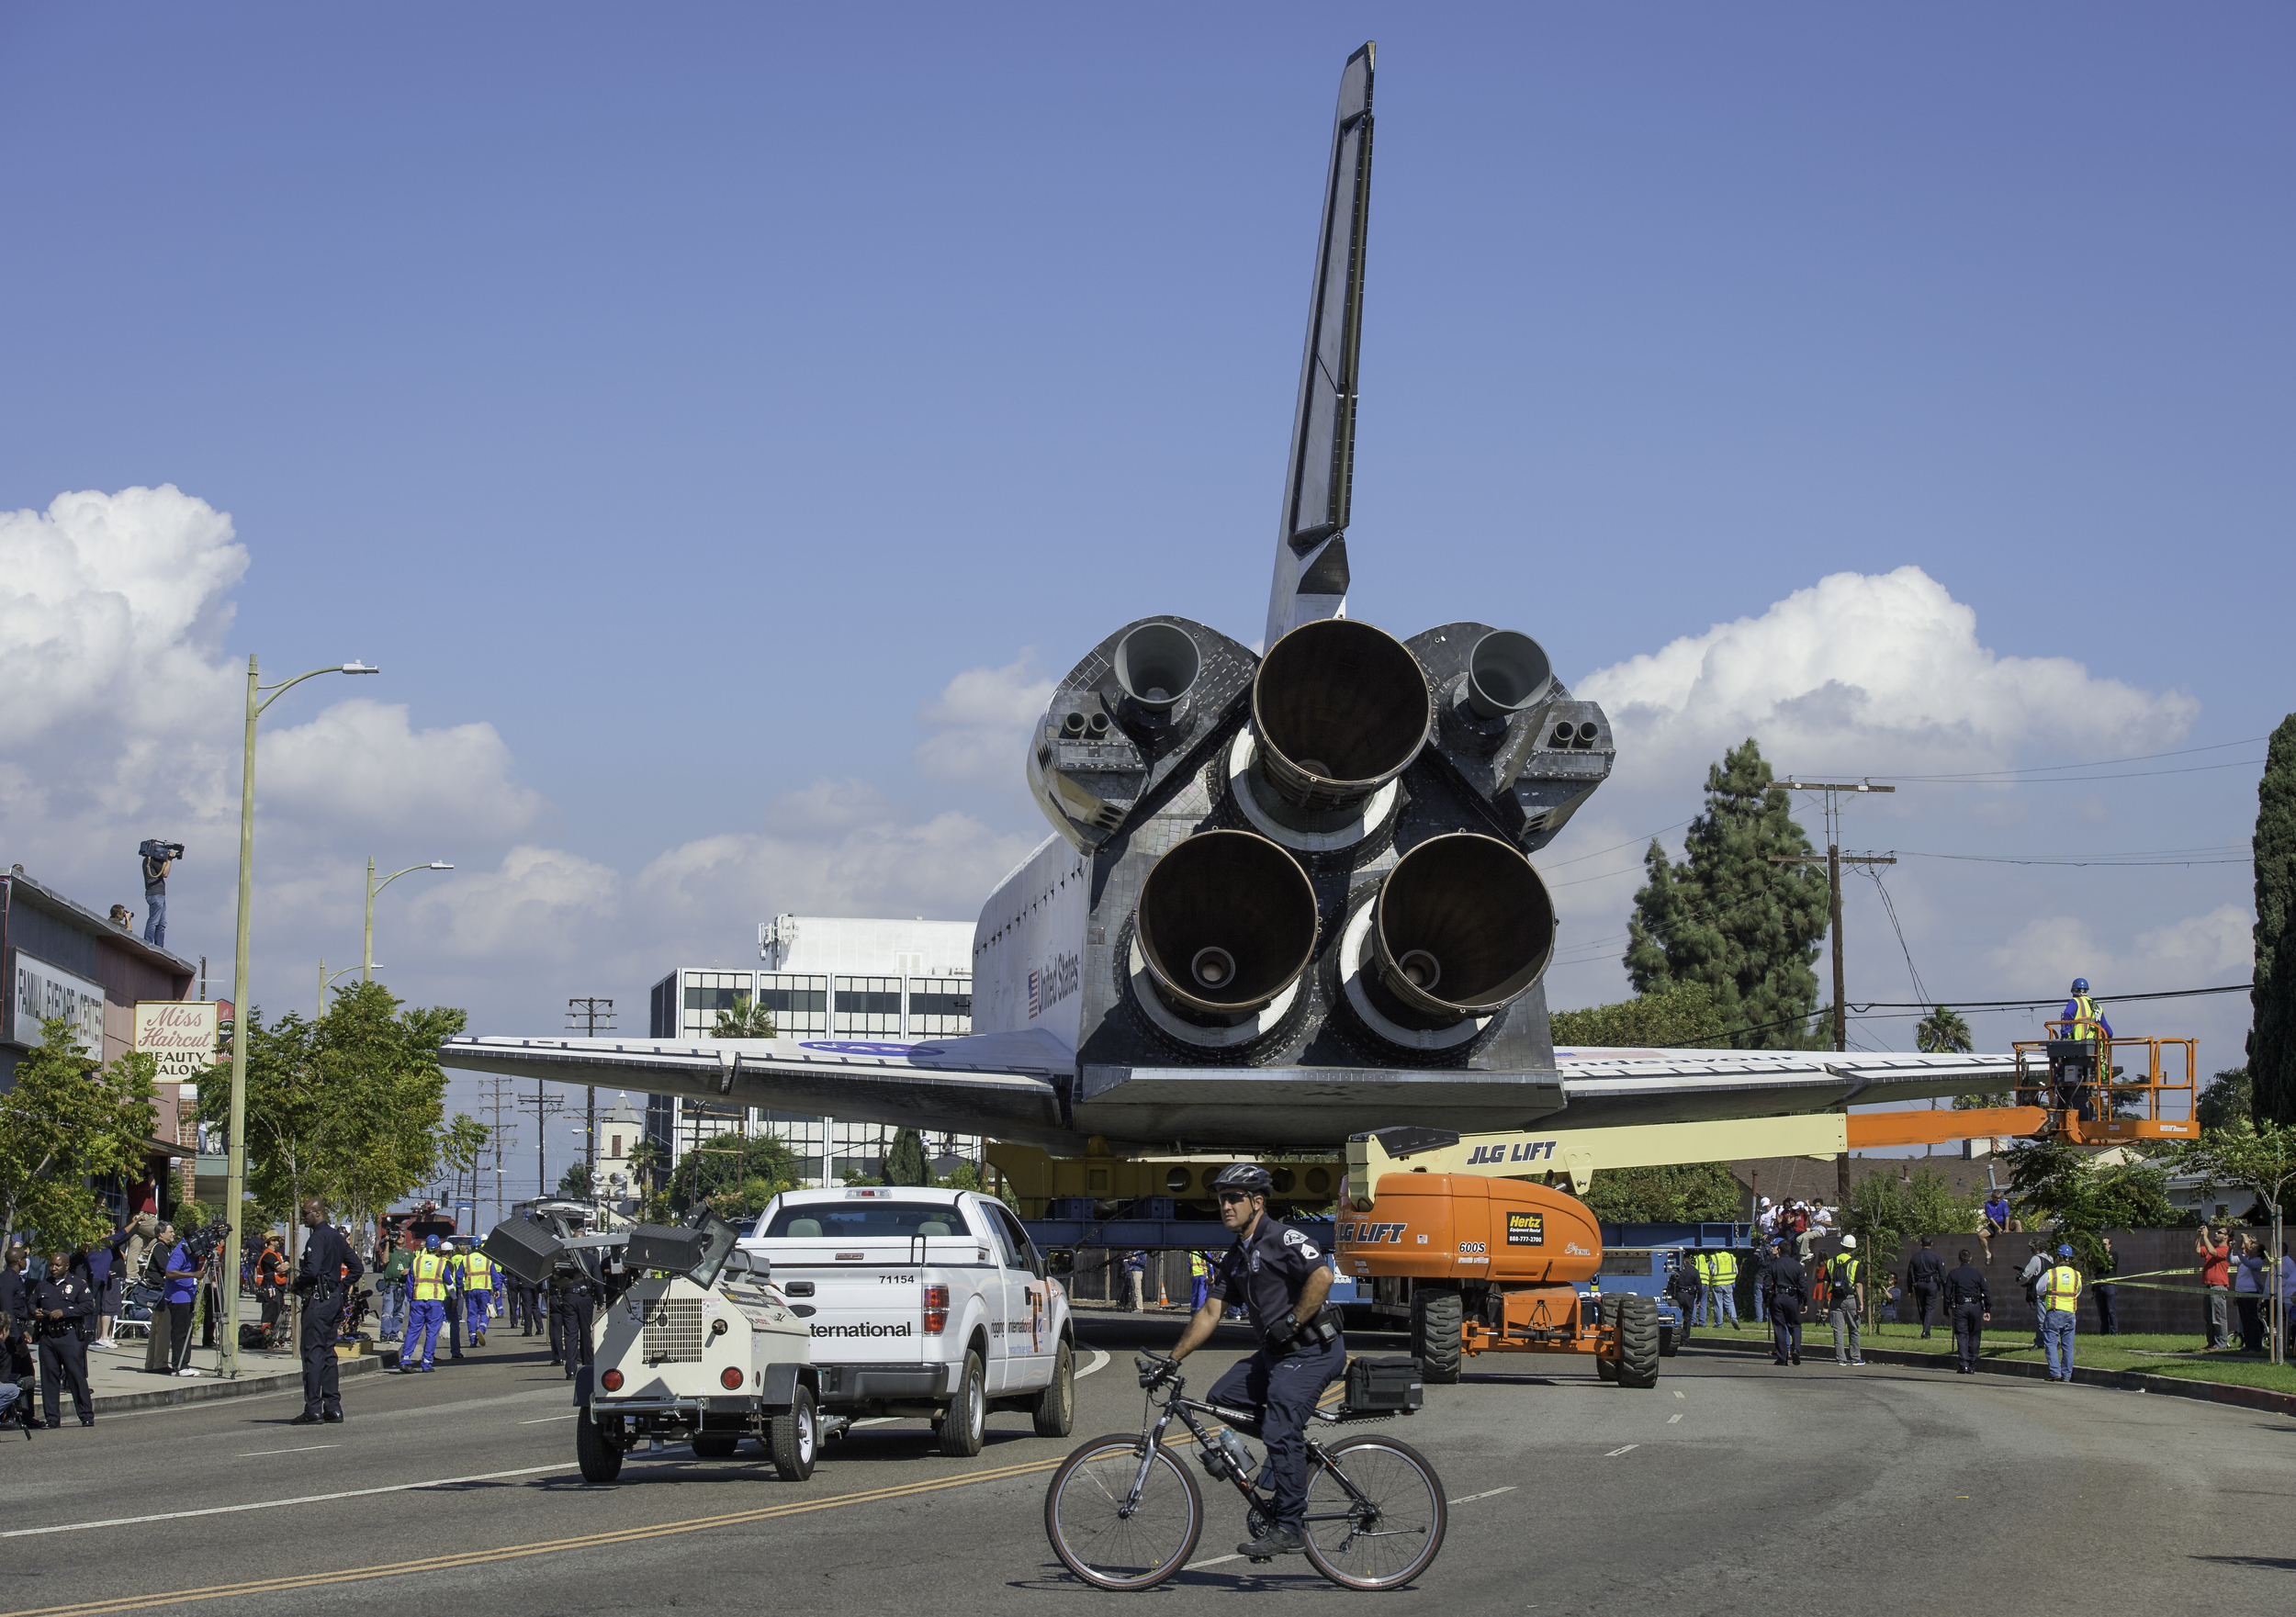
1123	1512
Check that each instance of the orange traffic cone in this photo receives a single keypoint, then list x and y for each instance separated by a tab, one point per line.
1161	1301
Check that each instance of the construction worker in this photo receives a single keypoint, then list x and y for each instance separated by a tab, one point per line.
1968	1305
1845	1283
2085	1024
426	1305
2058	1297
481	1289
456	1247
1720	1287
1199	1281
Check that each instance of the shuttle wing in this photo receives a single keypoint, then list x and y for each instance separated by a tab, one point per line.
1604	1086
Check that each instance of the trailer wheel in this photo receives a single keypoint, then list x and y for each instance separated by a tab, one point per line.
715	1445
1055	1411
792	1439
964	1423
599	1458
1434	1332
1606	1316
1638	1340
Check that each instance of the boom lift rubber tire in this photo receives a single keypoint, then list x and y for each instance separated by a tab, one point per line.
1055	1411
1671	1339
965	1424
601	1461
795	1438
1436	1315
1638	1340
1606	1315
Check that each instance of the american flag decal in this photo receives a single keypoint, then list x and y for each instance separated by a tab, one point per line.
1034	1003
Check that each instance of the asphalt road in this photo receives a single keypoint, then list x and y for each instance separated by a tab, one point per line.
1730	1487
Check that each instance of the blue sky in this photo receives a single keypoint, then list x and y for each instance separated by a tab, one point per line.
678	409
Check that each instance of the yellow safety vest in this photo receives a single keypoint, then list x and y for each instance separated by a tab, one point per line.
1725	1268
477	1272
1702	1266
1844	1268
2061	1287
430	1277
2085	1010
1198	1266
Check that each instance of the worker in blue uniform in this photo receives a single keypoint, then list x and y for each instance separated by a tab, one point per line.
1283	1281
481	1290
2085	1024
426	1307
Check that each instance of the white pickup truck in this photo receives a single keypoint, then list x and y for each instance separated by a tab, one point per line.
923	1303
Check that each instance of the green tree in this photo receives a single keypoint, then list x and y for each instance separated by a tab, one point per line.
746	1020
1943	1032
1682	1015
2063	1185
2272	1034
2225	1100
1691	1193
1729	917
905	1160
69	1119
574	1183
649	1163
733	1175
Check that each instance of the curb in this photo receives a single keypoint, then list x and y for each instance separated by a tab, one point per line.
2213	1392
206	1390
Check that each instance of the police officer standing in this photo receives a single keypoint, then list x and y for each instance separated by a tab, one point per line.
1925	1278
1786	1285
330	1267
61	1304
1969	1305
1282	1281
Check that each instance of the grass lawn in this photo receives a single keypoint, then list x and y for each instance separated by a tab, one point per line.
2181	1356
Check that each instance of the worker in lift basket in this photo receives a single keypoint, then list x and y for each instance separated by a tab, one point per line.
2085	1024
1283	1281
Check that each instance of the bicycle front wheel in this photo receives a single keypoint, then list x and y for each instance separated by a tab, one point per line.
1122	1515
1376	1513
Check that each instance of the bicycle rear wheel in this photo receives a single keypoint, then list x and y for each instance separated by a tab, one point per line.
1376	1513
1104	1536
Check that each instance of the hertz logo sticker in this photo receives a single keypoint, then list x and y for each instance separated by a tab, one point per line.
1526	1230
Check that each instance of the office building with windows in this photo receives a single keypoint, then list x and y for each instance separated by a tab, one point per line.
823	977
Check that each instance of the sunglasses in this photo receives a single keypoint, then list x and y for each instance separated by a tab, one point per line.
1235	1195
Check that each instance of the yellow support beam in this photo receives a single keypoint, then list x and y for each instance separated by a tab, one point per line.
1580	1153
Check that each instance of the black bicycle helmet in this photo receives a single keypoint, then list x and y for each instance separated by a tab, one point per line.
1248	1177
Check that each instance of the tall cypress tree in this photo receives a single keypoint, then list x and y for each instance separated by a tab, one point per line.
1730	918
2272	1037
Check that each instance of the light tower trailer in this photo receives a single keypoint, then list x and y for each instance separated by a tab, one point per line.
693	1344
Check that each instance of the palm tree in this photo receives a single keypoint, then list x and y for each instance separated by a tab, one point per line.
1943	1032
748	1019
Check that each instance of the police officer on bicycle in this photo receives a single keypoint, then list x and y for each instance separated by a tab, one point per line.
1282	1281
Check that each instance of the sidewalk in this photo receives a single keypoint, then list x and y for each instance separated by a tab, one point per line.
117	1379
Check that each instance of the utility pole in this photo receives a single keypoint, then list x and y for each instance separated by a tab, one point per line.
584	1015
542	1105
497	1098
1833	861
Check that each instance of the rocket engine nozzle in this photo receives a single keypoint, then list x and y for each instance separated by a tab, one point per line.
1506	673
1226	923
1156	664
1340	709
1464	926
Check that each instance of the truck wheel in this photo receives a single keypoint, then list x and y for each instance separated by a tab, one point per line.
1606	1359
965	1421
792	1439
1638	1342
600	1459
1434	1332
1055	1411
713	1445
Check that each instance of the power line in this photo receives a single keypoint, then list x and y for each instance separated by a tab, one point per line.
2106	860
2142	758
2020	1005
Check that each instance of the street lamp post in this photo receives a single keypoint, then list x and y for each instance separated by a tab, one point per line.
235	1176
325	977
374	887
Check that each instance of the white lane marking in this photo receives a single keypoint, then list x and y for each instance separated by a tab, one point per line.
1215	1561
880	1421
310	1498
1487	1494
1672	1418
1099	1361
1679	1395
307	1448
545	1420
1615	1453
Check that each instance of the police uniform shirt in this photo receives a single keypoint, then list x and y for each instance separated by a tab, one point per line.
1268	1271
15	1293
1926	1269
71	1294
1966	1284
328	1259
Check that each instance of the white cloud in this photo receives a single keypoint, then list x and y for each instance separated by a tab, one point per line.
1864	672
2194	951
539	905
361	763
984	717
